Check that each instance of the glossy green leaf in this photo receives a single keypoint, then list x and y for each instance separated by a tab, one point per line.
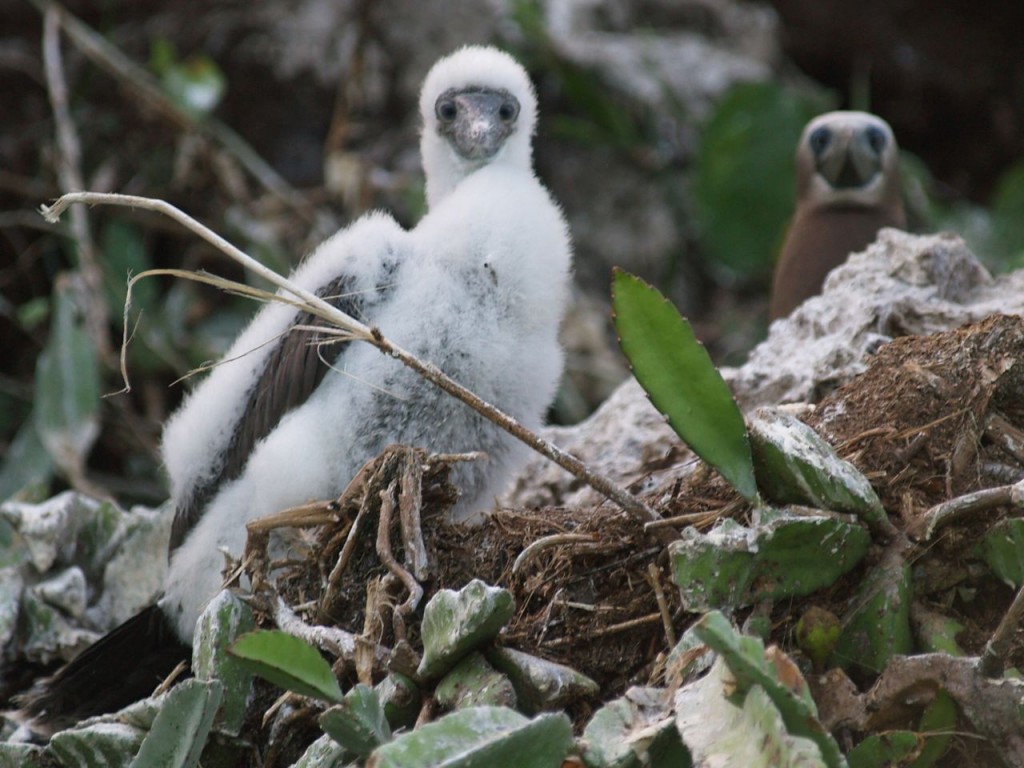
481	736
682	382
288	662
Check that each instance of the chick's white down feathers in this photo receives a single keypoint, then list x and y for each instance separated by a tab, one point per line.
479	288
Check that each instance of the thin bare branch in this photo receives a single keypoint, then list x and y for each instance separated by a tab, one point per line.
317	306
949	511
69	177
108	58
993	659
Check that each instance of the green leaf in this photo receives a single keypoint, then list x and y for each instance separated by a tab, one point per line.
67	385
884	749
878	625
288	662
1003	549
195	84
938	723
744	181
481	736
682	382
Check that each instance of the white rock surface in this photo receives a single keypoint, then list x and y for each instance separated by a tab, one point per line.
901	285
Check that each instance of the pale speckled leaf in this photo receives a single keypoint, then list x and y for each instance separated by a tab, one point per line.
787	555
181	727
325	752
474	683
541	684
102	745
221	622
749	733
681	381
357	723
633	731
777	678
480	736
19	755
455	623
796	466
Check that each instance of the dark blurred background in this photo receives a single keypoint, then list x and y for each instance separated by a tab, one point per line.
667	132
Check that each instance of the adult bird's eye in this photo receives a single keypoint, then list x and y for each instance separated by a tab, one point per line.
508	111
447	110
877	139
819	140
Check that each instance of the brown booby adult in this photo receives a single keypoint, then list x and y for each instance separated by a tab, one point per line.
847	188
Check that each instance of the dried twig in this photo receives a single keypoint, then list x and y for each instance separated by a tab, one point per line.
612	629
554	540
69	176
993	658
356	330
654	575
336	641
387	557
949	511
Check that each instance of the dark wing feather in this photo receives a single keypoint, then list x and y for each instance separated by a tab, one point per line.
293	369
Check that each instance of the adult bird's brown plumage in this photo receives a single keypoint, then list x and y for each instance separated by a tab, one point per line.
847	188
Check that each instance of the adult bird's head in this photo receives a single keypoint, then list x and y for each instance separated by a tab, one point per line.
478	108
847	159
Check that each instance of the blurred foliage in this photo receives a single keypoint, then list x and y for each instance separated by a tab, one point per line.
196	83
743	184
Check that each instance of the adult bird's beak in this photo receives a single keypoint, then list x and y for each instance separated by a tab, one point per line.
849	157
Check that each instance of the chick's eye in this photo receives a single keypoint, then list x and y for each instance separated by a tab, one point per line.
446	110
508	111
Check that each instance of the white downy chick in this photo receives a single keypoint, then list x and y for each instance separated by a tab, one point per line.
479	288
